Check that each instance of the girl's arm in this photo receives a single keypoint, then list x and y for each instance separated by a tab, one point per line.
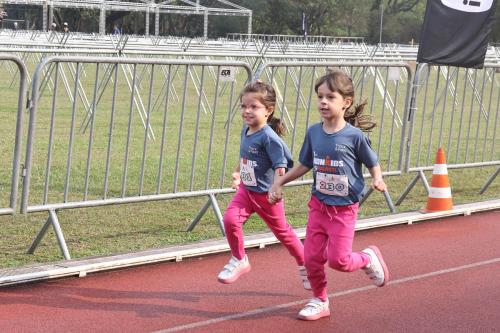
377	182
236	176
276	191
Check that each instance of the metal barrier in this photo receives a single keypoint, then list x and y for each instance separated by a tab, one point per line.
457	109
180	146
16	135
385	86
124	130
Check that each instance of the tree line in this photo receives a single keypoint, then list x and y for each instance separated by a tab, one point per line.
389	21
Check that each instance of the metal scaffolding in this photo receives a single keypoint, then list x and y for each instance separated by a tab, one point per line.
186	7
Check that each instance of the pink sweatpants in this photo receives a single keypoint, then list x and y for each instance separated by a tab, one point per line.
245	203
329	236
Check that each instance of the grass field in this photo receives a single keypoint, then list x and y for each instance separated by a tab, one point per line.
209	138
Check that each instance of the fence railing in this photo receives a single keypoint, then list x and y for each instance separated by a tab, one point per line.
106	131
12	136
110	153
457	109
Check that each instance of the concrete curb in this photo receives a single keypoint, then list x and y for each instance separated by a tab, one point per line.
81	267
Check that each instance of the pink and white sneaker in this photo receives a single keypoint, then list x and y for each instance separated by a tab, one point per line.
376	269
234	269
315	309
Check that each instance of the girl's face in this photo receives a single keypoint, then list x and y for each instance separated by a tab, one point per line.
254	113
331	104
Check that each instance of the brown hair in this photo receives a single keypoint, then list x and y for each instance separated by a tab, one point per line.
339	81
267	96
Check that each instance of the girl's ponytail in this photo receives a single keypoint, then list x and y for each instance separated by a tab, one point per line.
356	118
276	124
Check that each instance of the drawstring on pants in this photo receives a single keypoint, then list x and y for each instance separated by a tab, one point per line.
326	208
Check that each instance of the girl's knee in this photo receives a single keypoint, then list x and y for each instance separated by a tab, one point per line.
339	264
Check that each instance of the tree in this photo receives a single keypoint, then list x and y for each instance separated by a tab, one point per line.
318	14
351	17
277	18
393	10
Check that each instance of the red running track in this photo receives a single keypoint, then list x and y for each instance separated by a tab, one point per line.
445	278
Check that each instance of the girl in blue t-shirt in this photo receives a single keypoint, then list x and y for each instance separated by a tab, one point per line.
264	157
335	149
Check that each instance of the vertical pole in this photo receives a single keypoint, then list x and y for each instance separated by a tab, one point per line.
45	25
146	30
381	23
157	21
102	20
249	24
18	141
205	24
51	15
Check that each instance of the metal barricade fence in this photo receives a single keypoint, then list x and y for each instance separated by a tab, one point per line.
456	109
11	138
385	86
136	130
156	129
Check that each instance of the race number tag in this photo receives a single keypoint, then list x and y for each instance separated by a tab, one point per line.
247	175
332	184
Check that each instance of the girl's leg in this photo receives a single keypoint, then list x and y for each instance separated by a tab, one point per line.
315	249
341	235
274	217
235	216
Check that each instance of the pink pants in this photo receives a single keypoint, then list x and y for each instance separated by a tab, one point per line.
244	204
329	236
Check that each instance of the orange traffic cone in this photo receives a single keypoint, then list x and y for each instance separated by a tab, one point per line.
440	191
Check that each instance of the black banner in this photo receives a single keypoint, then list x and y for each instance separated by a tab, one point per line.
455	32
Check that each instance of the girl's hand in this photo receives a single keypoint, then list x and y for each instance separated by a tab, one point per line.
236	179
275	194
379	184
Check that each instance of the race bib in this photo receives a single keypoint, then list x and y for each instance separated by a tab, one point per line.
247	175
331	184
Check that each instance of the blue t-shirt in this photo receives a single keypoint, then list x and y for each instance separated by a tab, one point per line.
260	154
336	160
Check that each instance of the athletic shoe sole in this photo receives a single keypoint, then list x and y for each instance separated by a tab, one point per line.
236	276
317	316
382	262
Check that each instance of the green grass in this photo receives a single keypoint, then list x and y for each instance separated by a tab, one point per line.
130	227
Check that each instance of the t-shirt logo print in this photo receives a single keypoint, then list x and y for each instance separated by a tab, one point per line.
341	148
253	150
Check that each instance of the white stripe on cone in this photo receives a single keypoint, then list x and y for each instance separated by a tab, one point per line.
440	192
440	169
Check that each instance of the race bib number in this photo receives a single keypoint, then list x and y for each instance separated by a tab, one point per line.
247	175
331	184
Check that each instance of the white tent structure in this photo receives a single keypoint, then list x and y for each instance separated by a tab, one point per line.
186	7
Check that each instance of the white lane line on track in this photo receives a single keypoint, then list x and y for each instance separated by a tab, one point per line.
337	294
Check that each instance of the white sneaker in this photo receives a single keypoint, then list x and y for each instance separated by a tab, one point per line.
376	269
234	269
303	276
315	309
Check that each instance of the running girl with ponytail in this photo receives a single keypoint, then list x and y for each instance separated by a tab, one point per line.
335	149
264	157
